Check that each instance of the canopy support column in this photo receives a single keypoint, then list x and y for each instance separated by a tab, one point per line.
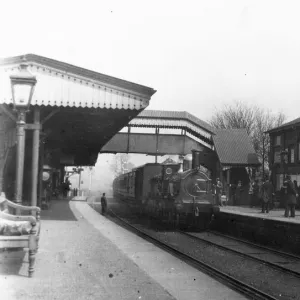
35	157
41	164
20	156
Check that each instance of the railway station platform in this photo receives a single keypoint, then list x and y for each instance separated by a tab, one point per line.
274	214
84	255
270	229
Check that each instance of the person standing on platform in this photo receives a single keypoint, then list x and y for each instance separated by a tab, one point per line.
232	193
255	194
290	199
238	193
219	189
103	204
267	193
297	191
66	187
250	193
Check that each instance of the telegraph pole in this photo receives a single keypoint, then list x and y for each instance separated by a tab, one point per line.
263	158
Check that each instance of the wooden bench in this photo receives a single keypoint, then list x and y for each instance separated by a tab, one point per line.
30	239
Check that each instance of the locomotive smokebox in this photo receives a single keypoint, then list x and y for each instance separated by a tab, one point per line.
196	159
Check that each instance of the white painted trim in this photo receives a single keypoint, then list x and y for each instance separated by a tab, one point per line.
57	88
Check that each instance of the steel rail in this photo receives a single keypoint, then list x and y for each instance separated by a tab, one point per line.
241	287
281	253
270	264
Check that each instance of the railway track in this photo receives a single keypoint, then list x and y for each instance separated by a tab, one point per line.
281	253
248	253
238	285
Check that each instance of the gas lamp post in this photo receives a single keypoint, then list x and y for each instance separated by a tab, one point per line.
22	87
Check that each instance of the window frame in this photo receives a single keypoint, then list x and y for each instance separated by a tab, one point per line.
277	140
290	148
276	149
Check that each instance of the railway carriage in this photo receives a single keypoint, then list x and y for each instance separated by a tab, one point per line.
164	191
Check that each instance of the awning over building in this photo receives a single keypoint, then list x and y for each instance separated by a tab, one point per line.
62	84
234	148
80	110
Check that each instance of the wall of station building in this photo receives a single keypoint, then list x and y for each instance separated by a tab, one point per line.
285	139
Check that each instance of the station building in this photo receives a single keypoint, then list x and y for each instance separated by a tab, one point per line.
285	152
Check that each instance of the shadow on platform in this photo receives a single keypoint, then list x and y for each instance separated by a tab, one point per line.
59	211
11	261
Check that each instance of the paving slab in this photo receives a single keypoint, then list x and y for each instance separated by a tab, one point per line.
74	262
83	255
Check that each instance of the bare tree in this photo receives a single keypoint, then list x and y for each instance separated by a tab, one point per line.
236	115
256	120
264	121
121	164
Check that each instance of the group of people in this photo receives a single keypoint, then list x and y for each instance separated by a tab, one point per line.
65	187
264	194
236	197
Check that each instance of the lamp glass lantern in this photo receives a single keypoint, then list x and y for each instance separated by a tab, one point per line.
22	86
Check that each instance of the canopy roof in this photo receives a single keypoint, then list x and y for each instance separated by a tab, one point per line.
81	110
234	148
175	115
62	84
175	119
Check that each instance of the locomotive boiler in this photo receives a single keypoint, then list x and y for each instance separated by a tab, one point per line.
167	192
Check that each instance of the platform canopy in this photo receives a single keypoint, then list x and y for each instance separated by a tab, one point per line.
234	148
80	109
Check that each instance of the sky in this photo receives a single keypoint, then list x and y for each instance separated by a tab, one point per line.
198	55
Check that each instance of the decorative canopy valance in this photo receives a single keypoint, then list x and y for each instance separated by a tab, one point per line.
61	84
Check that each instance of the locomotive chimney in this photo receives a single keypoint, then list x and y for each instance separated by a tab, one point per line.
196	159
181	159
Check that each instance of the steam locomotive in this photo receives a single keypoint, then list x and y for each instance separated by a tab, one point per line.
167	192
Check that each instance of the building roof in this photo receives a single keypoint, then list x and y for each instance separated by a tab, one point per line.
68	68
286	125
234	148
183	115
63	85
199	129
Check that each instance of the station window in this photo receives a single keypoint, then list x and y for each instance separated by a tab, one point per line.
277	158
291	154
277	140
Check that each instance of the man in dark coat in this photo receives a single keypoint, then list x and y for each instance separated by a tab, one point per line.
103	204
290	197
238	193
267	193
232	193
219	189
297	190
